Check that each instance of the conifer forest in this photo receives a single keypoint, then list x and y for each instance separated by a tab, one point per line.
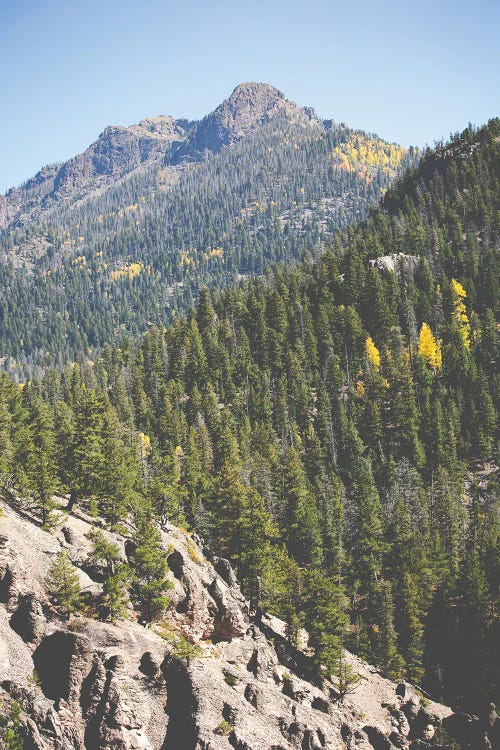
311	390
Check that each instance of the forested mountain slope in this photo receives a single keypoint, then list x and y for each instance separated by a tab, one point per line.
122	236
330	428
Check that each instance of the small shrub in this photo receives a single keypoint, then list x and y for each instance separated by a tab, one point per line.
193	552
164	630
34	679
10	739
75	626
443	738
185	650
224	728
120	528
230	679
423	700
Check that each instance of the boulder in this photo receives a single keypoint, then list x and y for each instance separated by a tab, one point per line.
229	620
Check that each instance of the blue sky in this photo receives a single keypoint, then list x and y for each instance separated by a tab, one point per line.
410	71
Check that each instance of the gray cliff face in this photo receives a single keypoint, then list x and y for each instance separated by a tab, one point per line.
23	200
120	686
117	153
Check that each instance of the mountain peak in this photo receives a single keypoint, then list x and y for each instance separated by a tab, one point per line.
250	105
253	91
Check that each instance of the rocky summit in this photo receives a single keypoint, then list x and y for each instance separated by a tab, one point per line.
249	106
85	684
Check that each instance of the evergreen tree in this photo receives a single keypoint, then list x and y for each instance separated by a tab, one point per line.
299	513
344	678
62	584
115	592
86	459
324	605
38	456
384	636
150	567
103	551
367	535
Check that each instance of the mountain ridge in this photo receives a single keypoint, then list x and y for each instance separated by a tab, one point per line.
120	150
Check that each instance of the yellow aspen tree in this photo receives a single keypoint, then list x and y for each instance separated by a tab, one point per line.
372	353
178	456
144	445
429	347
460	312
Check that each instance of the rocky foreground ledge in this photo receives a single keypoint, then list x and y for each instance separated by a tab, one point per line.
87	685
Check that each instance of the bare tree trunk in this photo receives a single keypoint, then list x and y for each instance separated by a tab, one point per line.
72	500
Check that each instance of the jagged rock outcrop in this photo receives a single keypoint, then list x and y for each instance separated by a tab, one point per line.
117	151
87	685
397	261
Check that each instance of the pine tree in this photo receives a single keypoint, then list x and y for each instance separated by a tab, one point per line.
62	584
376	312
117	475
345	680
6	429
384	636
150	566
40	467
299	512
411	633
85	458
103	551
367	535
324	605
226	508
115	592
257	557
